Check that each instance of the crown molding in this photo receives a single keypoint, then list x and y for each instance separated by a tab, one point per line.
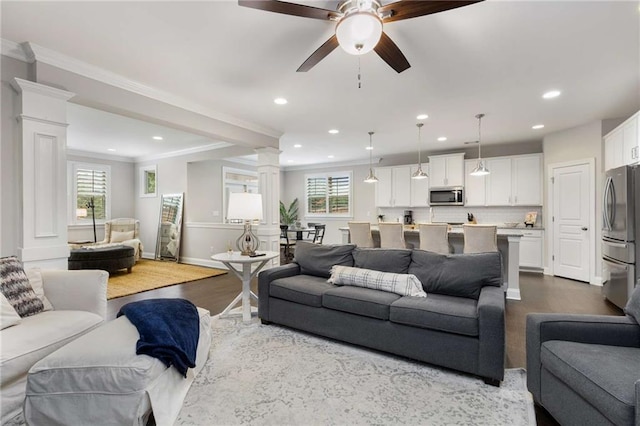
182	152
29	86
42	54
374	160
245	161
14	50
99	155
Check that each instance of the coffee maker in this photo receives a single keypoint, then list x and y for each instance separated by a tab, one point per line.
408	217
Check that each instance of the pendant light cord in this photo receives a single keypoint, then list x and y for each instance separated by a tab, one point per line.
479	117
419	145
370	152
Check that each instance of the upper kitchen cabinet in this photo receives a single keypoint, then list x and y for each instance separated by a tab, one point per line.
526	187
474	188
446	170
621	145
512	181
498	181
419	190
394	186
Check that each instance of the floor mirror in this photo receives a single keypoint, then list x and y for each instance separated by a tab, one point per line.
170	227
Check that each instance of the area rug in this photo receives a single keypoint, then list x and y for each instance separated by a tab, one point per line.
151	274
270	375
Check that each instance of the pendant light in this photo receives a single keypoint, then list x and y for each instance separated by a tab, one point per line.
419	174
481	169
372	177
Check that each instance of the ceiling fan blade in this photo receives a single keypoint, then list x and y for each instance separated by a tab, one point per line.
291	9
391	54
406	9
319	54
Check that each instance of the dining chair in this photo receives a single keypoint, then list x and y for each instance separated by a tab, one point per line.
318	235
285	242
434	237
391	235
360	234
311	233
480	238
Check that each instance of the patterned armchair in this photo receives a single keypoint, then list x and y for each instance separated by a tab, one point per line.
123	231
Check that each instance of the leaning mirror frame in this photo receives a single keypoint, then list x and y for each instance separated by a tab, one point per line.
170	227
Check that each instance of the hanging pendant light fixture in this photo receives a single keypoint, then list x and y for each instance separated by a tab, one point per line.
419	174
372	177
481	168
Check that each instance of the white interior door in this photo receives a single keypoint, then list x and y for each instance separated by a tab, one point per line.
571	218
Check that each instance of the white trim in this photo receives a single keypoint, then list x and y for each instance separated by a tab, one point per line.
59	60
326	214
72	196
228	184
547	271
327	165
180	152
99	155
513	294
29	86
14	50
143	181
597	281
214	225
591	162
245	161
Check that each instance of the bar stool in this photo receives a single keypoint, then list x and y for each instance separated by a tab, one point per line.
391	235
360	234
434	237
480	238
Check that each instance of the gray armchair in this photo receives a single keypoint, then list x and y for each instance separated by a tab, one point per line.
585	369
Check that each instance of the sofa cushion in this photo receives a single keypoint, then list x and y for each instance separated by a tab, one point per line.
119	237
385	260
39	335
607	386
34	275
303	289
359	301
317	259
402	284
437	312
8	315
15	285
461	275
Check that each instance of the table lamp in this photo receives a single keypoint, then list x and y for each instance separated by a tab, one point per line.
248	207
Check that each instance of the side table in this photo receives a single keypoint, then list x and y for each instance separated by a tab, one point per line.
245	276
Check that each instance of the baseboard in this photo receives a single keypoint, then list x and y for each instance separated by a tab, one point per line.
148	255
202	262
597	281
547	271
513	294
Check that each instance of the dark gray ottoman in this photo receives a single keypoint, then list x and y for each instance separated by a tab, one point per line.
108	259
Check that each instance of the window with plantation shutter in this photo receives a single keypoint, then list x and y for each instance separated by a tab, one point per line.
328	194
89	182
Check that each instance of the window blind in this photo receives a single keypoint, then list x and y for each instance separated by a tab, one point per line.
92	183
328	194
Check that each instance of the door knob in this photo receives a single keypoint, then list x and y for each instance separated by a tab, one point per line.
584	228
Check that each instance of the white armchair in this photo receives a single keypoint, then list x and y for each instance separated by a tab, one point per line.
123	231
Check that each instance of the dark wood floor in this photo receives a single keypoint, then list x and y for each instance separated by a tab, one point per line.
539	293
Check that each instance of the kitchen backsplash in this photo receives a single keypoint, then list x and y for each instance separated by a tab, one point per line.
456	214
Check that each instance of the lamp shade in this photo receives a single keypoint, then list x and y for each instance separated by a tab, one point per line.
245	206
358	33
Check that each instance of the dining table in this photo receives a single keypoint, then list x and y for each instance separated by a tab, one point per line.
300	231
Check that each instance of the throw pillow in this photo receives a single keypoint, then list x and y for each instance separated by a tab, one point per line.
317	259
385	260
461	275
633	305
118	237
8	315
15	286
402	284
35	279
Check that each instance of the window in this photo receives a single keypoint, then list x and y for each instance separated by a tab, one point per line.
237	180
148	183
328	194
89	182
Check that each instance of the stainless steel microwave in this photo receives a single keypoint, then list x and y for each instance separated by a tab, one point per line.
450	196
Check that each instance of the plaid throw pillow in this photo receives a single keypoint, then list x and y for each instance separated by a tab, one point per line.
14	285
402	284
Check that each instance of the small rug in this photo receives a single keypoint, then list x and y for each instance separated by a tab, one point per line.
270	375
151	274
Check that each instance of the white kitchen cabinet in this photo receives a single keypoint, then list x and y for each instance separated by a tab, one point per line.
474	187
622	144
499	181
630	140
531	249
419	190
526	189
446	170
394	186
614	149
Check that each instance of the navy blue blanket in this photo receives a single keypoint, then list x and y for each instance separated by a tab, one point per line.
169	330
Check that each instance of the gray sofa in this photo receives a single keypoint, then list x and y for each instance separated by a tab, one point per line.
459	325
585	369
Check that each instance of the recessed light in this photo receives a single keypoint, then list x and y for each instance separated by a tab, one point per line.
442	139
158	138
280	101
330	156
289	161
297	145
334	131
537	126
422	117
368	148
551	94
111	149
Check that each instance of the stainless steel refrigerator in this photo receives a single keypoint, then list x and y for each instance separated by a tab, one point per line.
620	228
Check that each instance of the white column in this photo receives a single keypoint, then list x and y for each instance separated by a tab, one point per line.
269	184
513	267
42	118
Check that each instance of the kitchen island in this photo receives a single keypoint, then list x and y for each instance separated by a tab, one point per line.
508	245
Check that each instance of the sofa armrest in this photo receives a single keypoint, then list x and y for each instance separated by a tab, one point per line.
264	280
638	403
491	331
83	290
595	329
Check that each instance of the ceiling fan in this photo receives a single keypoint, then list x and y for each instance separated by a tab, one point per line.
359	24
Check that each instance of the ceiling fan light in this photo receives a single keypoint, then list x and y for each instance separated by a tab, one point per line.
358	33
419	174
480	170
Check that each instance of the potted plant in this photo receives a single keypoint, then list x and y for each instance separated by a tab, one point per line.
290	215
